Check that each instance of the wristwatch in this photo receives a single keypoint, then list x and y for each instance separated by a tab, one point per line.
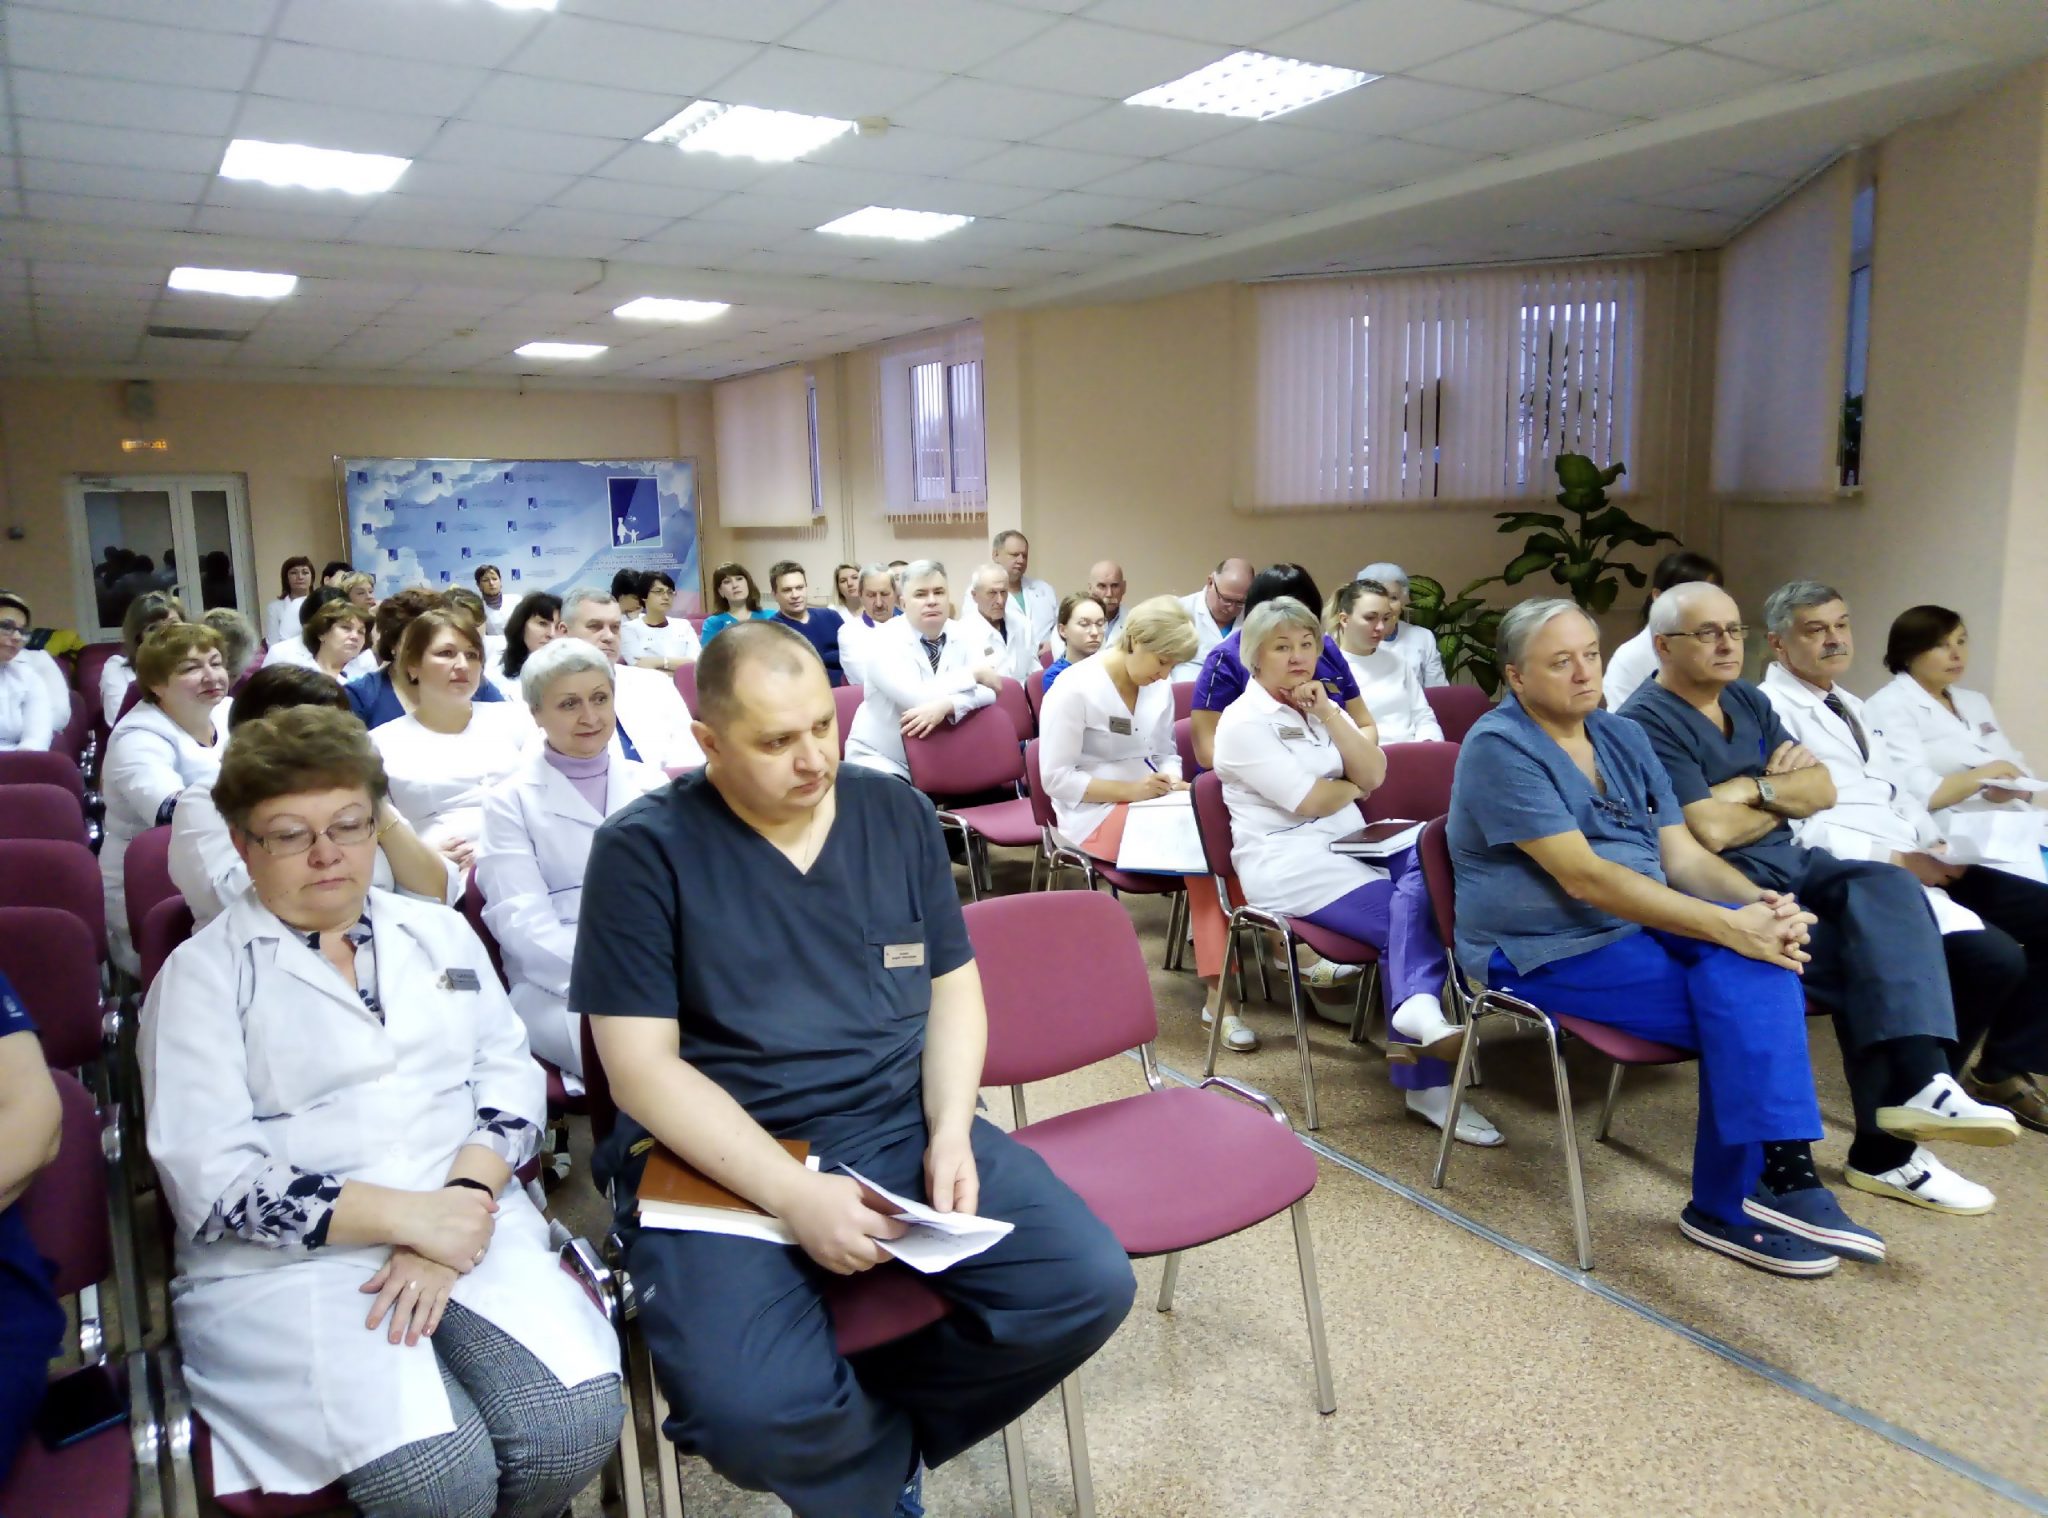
1766	794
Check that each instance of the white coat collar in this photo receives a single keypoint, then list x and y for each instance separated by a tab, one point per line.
559	797
148	717
1779	678
248	923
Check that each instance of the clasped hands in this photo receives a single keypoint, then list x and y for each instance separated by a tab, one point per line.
446	1235
1775	929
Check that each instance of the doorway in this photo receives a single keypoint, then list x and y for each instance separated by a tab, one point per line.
187	534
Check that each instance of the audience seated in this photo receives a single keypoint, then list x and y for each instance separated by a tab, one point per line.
1361	616
877	606
1409	641
656	640
1581	889
240	646
490	589
29	718
818	626
1081	632
281	617
337	1095
992	620
1876	951
922	669
846	592
169	740
1998	958
739	599
836	907
382	697
1106	589
535	622
652	723
31	1123
361	589
206	867
629	589
1036	602
144	613
538	823
443	755
333	638
1636	660
1215	608
1223	678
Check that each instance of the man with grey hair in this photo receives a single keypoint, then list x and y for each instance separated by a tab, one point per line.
1743	779
922	669
1033	602
1994	919
1216	608
878	605
1415	644
654	724
993	624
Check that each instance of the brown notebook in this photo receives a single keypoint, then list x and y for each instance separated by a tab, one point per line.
675	1195
1377	839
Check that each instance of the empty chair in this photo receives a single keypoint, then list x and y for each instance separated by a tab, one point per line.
1034	692
1183	699
1023	716
43	872
1418	783
41	811
167	924
146	875
846	701
1457	707
973	757
42	767
686	685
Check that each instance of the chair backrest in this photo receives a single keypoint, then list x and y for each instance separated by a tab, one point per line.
1034	692
129	701
1052	1012
69	741
36	810
49	958
28	767
146	875
847	699
686	686
1418	783
92	659
42	872
1183	699
1184	744
1457	707
1433	849
1212	825
1045	658
1023	716
473	910
168	924
1041	804
65	1206
966	758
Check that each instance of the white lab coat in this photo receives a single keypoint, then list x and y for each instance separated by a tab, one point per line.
530	864
149	760
54	680
1040	605
495	617
1208	634
293	650
1418	646
674	639
900	677
438	780
281	619
253	1049
1632	665
651	711
1269	757
1945	742
28	720
1085	732
116	675
1015	652
1393	694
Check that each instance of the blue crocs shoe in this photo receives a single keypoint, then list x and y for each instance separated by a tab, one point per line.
1815	1215
910	1501
1757	1245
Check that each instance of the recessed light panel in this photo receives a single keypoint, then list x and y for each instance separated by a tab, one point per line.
292	165
1256	86
901	226
559	350
748	131
243	282
655	308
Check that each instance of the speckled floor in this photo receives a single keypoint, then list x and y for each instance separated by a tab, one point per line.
1470	1380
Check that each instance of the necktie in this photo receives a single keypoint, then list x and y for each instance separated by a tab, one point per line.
1835	704
626	745
933	648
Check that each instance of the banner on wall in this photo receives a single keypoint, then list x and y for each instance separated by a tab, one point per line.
548	524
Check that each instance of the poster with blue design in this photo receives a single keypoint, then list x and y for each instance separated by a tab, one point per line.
548	524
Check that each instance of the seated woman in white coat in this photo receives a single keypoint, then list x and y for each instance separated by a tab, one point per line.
538	823
1294	766
922	669
337	1095
168	741
145	614
654	639
206	867
28	717
444	754
1361	614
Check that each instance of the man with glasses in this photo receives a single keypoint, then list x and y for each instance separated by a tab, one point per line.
1876	952
1216	608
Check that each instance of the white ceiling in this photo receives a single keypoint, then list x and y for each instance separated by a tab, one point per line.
1502	129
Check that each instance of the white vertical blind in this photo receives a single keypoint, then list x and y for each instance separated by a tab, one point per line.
930	429
761	424
1440	386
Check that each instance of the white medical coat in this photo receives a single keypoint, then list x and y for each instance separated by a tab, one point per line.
1085	732
900	677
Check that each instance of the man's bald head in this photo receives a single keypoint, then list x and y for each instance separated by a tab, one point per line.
742	650
1228	585
1106	585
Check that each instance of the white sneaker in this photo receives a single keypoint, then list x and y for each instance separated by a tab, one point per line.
1421	1020
1433	1105
1924	1181
1235	1034
1942	1109
1328	975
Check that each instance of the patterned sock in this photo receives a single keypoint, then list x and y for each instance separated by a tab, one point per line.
1788	1167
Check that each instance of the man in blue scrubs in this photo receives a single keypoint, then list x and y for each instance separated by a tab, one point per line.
31	1319
774	949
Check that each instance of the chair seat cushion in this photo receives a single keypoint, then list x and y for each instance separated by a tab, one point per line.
1140	885
880	1306
1177	1168
1006	824
1623	1048
1333	946
253	1503
94	1478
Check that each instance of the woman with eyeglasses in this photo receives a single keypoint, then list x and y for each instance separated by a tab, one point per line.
654	639
337	1095
28	717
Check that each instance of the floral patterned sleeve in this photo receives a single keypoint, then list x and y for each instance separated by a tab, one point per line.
511	1138
278	1205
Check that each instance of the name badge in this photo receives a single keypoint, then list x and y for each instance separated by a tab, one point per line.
902	956
460	980
1292	732
1123	727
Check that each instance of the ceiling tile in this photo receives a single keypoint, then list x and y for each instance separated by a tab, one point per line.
121	103
1144	130
1047	168
140	149
1205	219
833	182
286	226
127	50
294	71
665	201
1391	36
784	79
958	197
1687	20
533	152
335	126
1386	161
1086	58
903	150
619	226
1547	54
1226	21
774	213
659	163
1162	180
249	17
949	35
553	245
993	110
1076	208
1286	193
1667	84
400	208
1837	35
1389	107
586	110
750	21
1269	145
438	32
1516	126
112	181
631	57
99	212
480	182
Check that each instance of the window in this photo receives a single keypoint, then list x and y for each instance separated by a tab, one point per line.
817	454
1856	358
1453	387
933	443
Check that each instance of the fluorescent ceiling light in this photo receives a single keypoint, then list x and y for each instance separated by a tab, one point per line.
244	282
526	5
655	308
1254	85
747	131
559	350
903	226
293	165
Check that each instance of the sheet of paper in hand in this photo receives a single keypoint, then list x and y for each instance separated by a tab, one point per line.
936	1239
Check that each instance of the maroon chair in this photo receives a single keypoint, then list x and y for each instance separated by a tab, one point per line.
473	910
1058	856
146	875
1023	716
29	767
168	924
846	699
1418	783
1212	821
36	810
47	955
1169	1169
972	757
1183	700
1457	707
1184	743
1481	1002
73	740
92	659
686	685
1045	658
42	872
128	702
1034	694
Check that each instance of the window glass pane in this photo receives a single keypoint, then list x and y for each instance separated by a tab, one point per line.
215	582
930	443
130	536
964	393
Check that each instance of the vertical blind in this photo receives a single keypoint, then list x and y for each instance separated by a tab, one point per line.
1448	387
933	442
762	428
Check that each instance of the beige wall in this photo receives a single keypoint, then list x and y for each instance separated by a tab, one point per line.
1954	480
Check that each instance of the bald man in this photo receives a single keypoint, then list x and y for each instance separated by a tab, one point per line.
1105	589
1216	608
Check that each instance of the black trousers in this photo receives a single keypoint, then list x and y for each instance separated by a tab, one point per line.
2000	975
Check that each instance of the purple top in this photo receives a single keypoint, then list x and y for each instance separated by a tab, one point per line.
1223	679
589	776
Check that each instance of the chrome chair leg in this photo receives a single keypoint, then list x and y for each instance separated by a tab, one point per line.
1020	1472
631	1461
1312	1303
1568	1135
1299	1007
1168	1279
1468	1053
1260	955
1237	958
1233	958
1077	1446
668	1460
1607	1107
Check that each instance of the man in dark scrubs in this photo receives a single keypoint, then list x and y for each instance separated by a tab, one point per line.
31	1319
774	949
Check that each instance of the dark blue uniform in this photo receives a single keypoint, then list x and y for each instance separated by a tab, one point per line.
31	1319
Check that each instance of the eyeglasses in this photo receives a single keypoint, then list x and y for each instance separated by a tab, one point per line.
1709	635
285	842
13	629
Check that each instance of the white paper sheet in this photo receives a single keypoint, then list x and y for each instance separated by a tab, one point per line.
1160	838
936	1239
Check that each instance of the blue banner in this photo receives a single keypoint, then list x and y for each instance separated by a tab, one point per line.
548	524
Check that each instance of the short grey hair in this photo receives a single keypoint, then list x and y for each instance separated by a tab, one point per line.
1523	622
918	569
869	571
238	637
985	572
1266	619
1669	611
996	545
1388	574
554	659
585	595
1783	605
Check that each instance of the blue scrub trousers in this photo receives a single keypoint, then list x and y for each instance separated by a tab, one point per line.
1746	1020
743	1344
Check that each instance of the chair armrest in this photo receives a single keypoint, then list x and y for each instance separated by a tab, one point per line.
181	1489
580	1259
1250	1094
1506	1002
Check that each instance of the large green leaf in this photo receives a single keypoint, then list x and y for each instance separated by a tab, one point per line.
1635	576
1601	597
1549	542
1522	521
1526	565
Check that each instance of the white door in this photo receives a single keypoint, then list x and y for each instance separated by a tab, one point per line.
187	534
